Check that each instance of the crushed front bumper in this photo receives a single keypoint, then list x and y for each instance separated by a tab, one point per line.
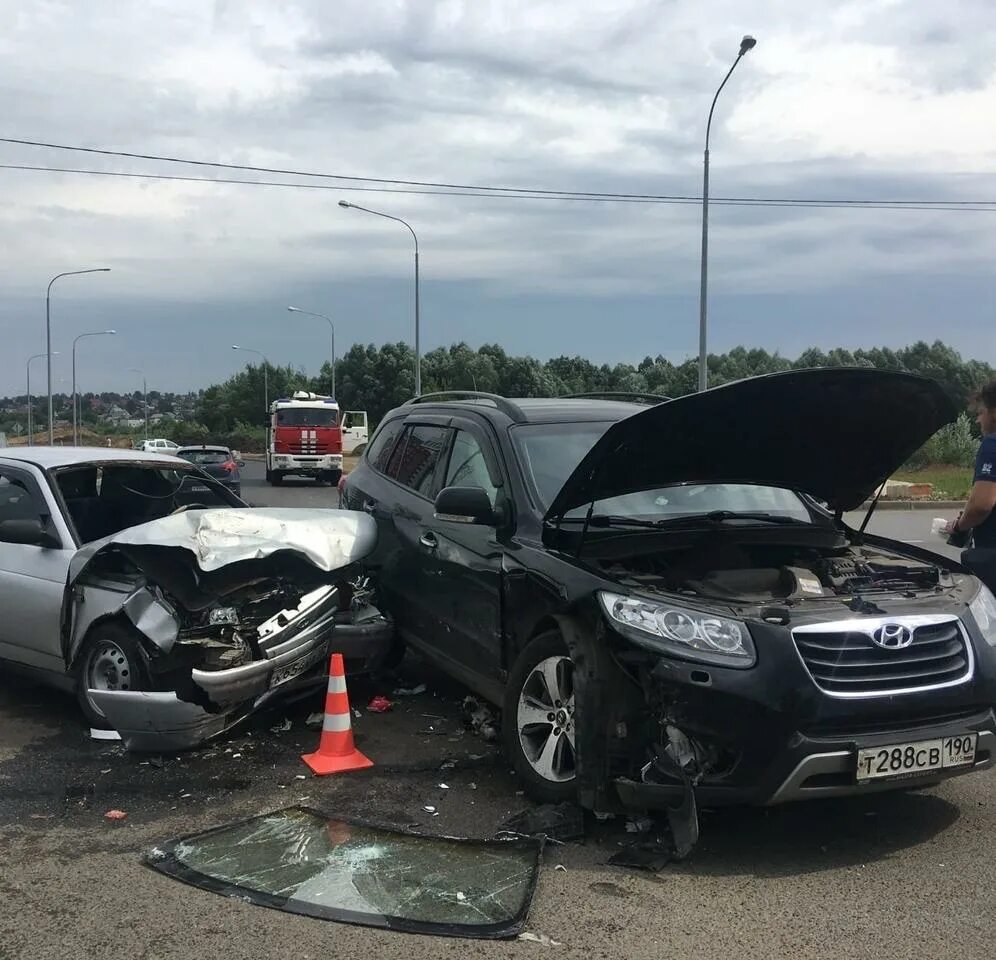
296	651
812	768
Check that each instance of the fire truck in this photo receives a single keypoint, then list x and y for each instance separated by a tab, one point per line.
304	438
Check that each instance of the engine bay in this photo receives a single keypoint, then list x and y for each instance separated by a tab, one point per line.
724	569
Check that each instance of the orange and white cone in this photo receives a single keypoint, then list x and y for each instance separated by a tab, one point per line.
336	752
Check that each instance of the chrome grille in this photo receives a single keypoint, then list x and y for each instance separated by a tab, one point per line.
844	660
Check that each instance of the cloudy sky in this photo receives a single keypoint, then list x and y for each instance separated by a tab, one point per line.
868	99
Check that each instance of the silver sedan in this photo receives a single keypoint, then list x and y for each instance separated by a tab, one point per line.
169	607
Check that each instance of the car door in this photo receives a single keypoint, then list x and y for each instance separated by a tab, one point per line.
412	473
32	578
354	430
395	485
464	572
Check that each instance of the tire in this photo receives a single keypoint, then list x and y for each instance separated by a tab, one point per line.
276	478
269	476
110	660
541	749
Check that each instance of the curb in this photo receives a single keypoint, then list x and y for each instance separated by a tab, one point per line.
915	505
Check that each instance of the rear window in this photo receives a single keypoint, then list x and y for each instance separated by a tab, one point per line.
379	451
206	456
307	417
415	457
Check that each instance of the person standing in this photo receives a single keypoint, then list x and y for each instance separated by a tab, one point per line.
976	526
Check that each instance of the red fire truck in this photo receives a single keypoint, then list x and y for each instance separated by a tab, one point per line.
304	438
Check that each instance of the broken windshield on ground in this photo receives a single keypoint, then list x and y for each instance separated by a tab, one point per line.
300	861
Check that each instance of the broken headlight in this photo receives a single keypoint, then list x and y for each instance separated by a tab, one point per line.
221	615
665	628
983	610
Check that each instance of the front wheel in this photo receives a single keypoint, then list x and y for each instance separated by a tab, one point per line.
275	478
111	660
539	723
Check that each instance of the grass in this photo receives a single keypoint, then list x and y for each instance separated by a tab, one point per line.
949	482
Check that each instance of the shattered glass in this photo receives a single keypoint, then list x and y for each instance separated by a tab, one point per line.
303	862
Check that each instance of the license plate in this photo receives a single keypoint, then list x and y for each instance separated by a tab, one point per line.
296	668
902	760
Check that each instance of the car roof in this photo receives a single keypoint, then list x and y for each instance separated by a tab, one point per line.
531	409
49	457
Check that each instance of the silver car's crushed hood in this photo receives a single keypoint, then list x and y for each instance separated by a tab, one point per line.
328	539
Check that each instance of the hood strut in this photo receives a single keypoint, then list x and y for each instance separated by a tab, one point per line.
871	508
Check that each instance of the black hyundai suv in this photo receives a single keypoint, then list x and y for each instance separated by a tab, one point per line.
664	598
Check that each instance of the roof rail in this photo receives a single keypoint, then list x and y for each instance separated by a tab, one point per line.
511	409
648	398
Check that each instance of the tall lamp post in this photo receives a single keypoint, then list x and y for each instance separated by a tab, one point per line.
418	356
96	333
48	338
746	44
266	384
145	397
320	316
34	356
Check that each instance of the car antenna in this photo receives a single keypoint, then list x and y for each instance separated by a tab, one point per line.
871	508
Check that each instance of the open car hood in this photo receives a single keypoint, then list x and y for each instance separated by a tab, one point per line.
214	539
836	434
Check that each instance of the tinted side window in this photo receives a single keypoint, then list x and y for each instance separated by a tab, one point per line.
467	467
379	452
17	502
416	456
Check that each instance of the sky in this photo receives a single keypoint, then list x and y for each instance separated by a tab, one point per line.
859	99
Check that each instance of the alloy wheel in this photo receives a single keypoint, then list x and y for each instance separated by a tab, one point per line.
546	719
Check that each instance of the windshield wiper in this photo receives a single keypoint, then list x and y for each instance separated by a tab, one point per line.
687	520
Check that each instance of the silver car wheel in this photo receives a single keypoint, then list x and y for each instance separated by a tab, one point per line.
107	668
546	721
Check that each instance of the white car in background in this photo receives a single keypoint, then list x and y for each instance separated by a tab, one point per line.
159	445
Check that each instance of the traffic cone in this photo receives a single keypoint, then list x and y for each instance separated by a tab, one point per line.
336	752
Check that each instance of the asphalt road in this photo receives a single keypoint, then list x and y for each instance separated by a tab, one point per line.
900	875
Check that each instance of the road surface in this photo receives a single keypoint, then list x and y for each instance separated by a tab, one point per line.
901	875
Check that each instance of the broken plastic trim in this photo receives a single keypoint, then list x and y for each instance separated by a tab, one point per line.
300	861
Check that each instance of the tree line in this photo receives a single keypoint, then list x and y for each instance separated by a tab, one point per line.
376	379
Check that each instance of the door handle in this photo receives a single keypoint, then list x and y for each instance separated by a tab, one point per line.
369	506
429	540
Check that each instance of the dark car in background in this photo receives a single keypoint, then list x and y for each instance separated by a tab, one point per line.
665	600
216	461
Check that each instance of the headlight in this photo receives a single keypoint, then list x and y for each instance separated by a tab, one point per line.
983	610
665	628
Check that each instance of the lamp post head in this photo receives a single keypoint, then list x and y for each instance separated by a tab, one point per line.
295	309
235	346
111	332
746	44
345	204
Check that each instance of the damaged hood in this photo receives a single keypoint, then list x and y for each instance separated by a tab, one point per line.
327	539
835	434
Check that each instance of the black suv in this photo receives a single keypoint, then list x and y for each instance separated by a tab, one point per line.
664	598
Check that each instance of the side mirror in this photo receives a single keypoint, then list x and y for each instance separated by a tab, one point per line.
464	505
32	533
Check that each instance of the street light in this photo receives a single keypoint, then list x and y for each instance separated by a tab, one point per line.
34	356
746	44
96	333
418	356
48	338
145	397
266	385
321	316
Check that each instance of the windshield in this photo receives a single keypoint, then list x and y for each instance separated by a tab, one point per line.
206	456
103	499
549	453
307	417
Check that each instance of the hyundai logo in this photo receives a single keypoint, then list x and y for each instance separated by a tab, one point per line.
893	636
